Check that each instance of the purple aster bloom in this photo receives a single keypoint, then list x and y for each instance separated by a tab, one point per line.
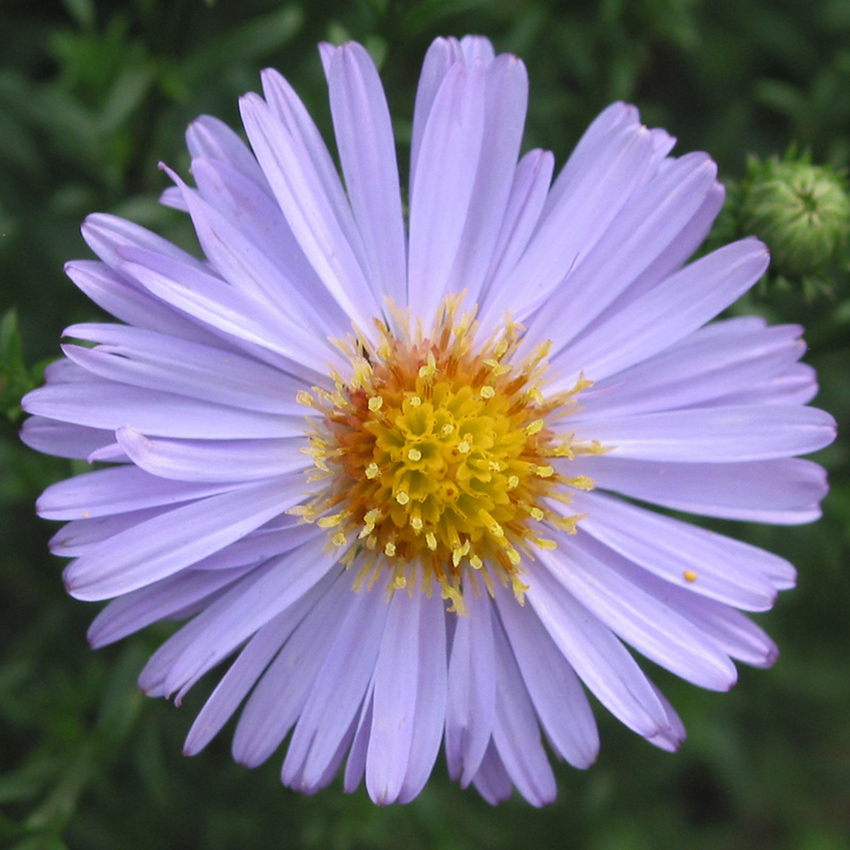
374	459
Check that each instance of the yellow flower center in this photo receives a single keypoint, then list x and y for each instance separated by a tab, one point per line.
435	456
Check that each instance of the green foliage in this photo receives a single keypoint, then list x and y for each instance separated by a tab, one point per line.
93	94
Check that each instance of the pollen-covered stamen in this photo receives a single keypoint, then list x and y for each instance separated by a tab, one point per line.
435	456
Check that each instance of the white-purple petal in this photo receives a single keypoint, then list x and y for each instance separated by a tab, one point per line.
471	703
645	621
310	211
554	688
707	563
153	360
339	688
442	184
277	700
367	152
676	307
516	734
213	460
408	699
172	541
55	437
597	656
115	491
714	434
783	491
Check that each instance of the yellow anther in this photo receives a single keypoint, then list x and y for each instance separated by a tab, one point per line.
372	516
330	521
375	403
476	562
487	391
429	370
415	401
372	470
545	471
389	549
402	498
566	523
362	371
305	398
534	427
414	455
338	539
447	429
536	513
513	482
416	523
431	541
464	446
513	556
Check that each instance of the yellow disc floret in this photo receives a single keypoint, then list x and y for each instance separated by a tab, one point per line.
434	456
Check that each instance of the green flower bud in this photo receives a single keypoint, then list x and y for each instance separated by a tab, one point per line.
802	213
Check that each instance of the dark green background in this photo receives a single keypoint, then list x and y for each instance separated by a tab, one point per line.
92	95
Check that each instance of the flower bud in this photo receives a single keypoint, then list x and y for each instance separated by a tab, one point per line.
801	211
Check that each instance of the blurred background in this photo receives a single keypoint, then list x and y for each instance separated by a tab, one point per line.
93	94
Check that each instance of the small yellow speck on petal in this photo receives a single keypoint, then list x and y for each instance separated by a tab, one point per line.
690	576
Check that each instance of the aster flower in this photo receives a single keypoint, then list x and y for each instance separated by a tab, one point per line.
374	461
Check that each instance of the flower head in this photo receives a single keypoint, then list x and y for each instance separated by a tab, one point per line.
372	460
